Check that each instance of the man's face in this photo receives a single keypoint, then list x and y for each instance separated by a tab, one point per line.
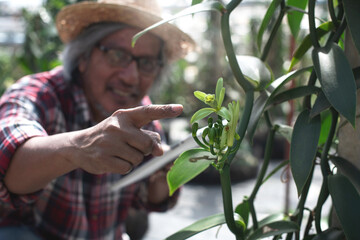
110	85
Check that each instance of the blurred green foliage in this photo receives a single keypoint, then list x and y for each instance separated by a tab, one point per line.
42	47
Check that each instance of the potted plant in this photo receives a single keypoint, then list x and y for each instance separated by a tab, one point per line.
328	95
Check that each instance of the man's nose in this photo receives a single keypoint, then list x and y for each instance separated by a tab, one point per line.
130	74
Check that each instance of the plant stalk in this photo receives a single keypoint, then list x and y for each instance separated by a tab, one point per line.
229	48
244	121
340	30
312	26
248	88
274	32
325	170
232	5
301	204
227	202
332	13
311	82
260	178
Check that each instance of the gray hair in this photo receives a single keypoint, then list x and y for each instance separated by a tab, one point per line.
83	45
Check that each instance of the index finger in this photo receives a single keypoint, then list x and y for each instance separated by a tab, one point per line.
143	115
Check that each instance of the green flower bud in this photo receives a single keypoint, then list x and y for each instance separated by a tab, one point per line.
210	122
195	127
210	100
212	135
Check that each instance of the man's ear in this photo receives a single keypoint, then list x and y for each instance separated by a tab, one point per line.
82	64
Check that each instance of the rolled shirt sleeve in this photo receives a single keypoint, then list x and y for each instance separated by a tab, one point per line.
20	114
45	104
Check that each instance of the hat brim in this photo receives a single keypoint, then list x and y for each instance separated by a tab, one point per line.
74	18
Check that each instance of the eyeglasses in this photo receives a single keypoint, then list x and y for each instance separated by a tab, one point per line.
117	57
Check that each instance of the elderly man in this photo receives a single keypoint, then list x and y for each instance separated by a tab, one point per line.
68	134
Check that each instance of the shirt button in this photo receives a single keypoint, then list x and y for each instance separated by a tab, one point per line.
94	217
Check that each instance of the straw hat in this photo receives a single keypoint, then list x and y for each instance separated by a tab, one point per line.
74	18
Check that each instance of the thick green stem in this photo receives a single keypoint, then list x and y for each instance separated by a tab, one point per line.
340	9
311	82
323	195
340	30
312	26
274	31
225	171
229	48
232	5
245	84
325	170
227	202
248	88
332	13
260	178
268	119
303	198
244	122
301	204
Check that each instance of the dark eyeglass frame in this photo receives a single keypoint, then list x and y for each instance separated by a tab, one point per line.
141	61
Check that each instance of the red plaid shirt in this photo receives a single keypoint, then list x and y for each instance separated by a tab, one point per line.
76	205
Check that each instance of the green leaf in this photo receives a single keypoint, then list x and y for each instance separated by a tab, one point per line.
243	210
266	20
293	93
255	71
295	17
330	234
220	92
199	226
258	109
321	104
202	113
326	119
337	80
346	201
285	131
303	147
277	84
194	2
306	44
219	87
239	222
274	228
349	170
272	218
221	98
262	101
352	9
201	7
200	95
224	113
267	220
186	168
